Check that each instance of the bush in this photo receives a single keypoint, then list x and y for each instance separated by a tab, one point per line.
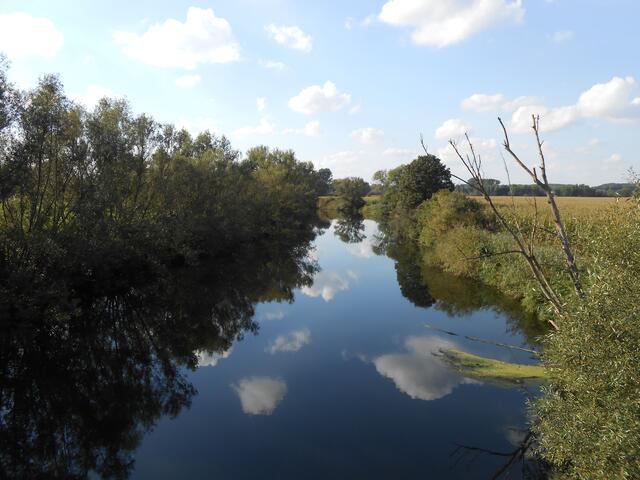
588	421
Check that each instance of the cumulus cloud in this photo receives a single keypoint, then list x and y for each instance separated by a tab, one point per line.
311	129
201	38
291	342
610	100
420	373
265	127
326	285
22	36
260	395
368	135
481	102
452	128
93	94
440	23
316	98
210	359
292	37
261	103
188	81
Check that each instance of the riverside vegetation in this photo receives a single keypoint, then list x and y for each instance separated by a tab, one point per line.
127	247
587	422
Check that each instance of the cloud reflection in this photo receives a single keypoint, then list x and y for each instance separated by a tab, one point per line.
291	342
420	373
363	249
326	285
260	395
210	359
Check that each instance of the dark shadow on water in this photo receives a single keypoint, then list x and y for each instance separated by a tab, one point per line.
88	367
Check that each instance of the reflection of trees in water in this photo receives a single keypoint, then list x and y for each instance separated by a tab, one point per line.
425	286
350	228
87	369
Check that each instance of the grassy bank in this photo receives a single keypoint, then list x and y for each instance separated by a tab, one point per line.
587	423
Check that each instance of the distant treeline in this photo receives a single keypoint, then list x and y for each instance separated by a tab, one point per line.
562	190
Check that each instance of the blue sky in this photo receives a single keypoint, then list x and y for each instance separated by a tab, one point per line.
350	85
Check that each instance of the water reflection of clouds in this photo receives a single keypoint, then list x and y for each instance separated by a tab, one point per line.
362	249
277	315
326	285
421	373
291	342
210	359
260	395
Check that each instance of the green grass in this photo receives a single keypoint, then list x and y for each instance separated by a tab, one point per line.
475	366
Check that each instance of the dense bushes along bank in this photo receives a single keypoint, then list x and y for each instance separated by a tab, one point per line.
96	191
588	421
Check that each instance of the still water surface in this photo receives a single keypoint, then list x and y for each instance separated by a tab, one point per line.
346	381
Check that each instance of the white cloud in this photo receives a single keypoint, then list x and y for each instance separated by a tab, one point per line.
260	395
610	101
358	108
261	103
604	99
197	125
452	128
293	37
264	128
368	135
292	342
22	36
272	65
210	359
483	103
316	98
420	373
399	152
93	94
188	81
635	101
311	129
613	159
326	285
441	23
518	102
562	36
202	38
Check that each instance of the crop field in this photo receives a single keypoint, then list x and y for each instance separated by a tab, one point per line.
575	207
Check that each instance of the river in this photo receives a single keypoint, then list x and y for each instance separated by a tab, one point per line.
347	380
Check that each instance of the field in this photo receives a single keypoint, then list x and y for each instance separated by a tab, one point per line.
570	207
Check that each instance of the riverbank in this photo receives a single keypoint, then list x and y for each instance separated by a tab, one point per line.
587	422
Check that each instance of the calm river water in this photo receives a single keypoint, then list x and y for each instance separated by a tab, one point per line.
346	381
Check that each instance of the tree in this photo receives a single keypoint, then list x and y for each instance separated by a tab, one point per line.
325	178
351	190
419	180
